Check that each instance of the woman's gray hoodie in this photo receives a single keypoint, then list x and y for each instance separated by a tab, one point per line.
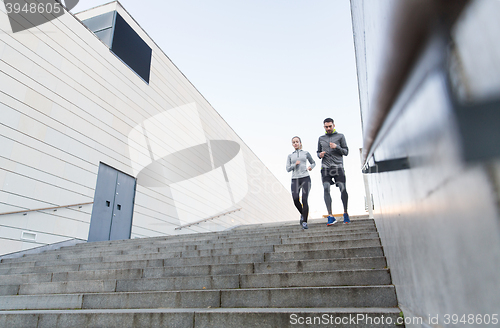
299	171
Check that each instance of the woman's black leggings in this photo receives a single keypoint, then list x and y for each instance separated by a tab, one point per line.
304	184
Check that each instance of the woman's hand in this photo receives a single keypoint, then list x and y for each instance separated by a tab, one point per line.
309	168
297	162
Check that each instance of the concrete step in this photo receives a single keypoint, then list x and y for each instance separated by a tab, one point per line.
319	265
359	296
348	296
82	267
142	249
247	236
328	238
163	260
38	269
297	229
271	275
9	289
195	270
316	279
277	256
274	275
211	236
95	264
224	259
205	318
165	252
33	278
215	244
45	260
261	280
294	223
367	242
325	254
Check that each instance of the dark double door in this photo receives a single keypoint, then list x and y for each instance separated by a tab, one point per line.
113	205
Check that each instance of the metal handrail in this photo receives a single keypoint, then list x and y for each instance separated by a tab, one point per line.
210	218
47	208
408	38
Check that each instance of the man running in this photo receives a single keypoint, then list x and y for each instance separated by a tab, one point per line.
331	149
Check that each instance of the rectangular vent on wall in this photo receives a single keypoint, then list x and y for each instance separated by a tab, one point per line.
28	236
123	41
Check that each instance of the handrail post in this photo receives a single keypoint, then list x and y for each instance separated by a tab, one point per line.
46	208
210	218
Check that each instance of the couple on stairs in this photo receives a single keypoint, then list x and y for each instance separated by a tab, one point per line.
331	149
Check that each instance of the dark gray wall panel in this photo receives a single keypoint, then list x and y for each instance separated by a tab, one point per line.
104	198
113	205
130	48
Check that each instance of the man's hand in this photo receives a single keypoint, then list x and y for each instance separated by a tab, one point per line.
322	154
333	145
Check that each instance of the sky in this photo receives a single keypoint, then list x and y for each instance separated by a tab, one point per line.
272	69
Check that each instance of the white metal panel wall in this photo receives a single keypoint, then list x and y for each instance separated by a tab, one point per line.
67	103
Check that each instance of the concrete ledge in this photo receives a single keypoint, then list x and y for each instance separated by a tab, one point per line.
39	269
321	265
72	287
226	259
192	270
207	282
364	242
197	318
31	278
284	267
355	225
98	275
325	254
42	249
33	302
9	289
267	277
317	279
153	300
299	238
363	296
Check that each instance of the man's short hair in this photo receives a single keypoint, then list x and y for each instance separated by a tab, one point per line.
328	120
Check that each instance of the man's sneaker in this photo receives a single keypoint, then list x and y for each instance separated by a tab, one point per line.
346	218
301	220
331	220
304	225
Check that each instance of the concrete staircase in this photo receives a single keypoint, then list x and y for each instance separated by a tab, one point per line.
274	275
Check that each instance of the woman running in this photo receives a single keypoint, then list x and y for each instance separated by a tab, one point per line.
297	162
